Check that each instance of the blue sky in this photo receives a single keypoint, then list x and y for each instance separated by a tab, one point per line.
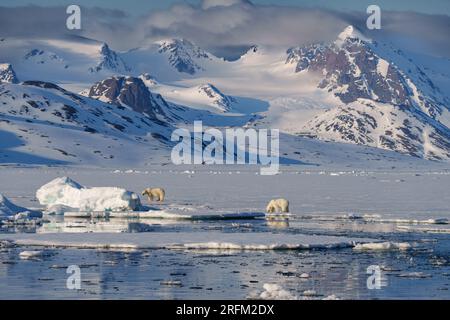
140	6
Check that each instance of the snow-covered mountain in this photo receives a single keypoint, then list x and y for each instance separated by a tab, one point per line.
216	97
7	73
111	61
352	91
48	122
202	96
183	55
130	92
381	105
39	56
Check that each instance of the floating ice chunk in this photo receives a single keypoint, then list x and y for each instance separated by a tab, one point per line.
442	228
66	192
331	297
437	221
184	240
414	275
310	293
383	246
31	254
276	292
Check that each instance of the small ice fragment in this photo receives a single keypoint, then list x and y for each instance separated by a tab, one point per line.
414	275
31	254
309	293
275	292
331	297
383	246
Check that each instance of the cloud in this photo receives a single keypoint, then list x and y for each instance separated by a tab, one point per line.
228	26
207	4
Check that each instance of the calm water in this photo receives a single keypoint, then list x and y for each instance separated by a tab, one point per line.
422	273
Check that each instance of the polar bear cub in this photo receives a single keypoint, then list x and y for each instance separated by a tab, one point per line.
278	205
155	193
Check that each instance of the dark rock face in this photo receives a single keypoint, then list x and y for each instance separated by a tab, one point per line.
131	92
381	106
7	74
183	55
352	71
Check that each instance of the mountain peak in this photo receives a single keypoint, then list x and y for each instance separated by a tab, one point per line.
183	54
110	60
7	73
350	32
128	91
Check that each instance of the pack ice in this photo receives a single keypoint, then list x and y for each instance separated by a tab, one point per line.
68	194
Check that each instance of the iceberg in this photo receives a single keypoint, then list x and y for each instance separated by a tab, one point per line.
66	193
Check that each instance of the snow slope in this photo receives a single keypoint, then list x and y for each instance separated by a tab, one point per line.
40	119
350	91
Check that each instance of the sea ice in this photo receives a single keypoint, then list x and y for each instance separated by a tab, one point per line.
64	192
31	254
383	246
185	241
276	292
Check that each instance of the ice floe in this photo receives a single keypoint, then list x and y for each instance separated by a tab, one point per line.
276	292
185	241
383	246
64	192
372	218
31	254
420	275
443	229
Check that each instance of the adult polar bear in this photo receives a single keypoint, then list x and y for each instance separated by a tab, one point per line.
155	193
278	205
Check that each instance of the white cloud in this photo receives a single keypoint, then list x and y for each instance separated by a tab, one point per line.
226	24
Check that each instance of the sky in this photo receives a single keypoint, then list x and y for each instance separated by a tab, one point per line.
229	27
137	7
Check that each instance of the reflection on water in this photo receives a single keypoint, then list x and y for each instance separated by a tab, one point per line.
423	272
163	274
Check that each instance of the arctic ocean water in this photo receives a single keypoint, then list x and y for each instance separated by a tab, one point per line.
384	207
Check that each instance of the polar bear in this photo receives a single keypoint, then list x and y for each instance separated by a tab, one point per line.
278	205
154	193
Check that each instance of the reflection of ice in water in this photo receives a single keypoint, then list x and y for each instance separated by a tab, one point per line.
79	225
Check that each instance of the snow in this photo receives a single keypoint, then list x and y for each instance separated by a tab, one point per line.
66	192
383	67
31	254
185	240
349	33
9	209
383	246
276	292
